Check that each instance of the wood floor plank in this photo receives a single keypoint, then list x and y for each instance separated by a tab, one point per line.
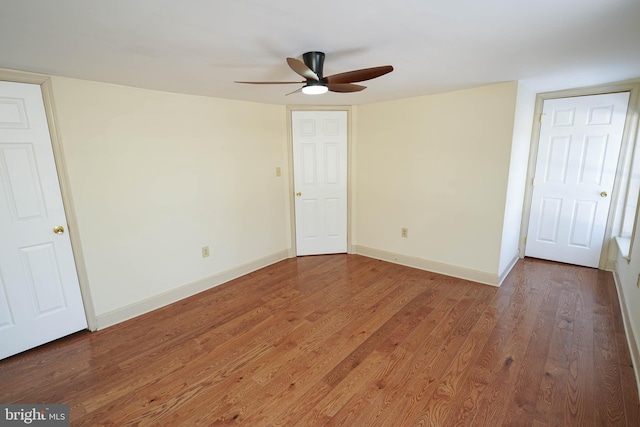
553	392
354	336
313	361
417	390
382	360
476	379
439	405
224	354
531	369
607	371
290	355
349	340
581	382
520	320
382	390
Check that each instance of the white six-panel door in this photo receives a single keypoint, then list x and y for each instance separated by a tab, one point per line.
40	298
576	165
320	181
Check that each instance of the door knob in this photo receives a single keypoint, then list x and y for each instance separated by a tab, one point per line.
58	229
603	194
298	194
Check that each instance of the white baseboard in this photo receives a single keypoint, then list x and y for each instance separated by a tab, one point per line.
508	269
177	294
433	266
628	330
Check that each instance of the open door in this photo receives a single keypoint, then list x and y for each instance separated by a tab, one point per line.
40	298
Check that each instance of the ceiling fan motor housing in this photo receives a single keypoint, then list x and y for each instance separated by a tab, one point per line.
315	61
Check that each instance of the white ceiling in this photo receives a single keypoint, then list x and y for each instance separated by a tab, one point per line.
201	46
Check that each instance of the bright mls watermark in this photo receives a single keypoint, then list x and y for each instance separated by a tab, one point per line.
34	415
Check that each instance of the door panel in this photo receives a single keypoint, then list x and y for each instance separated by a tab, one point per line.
557	160
6	317
577	158
320	181
593	160
582	223
549	219
43	278
24	195
40	298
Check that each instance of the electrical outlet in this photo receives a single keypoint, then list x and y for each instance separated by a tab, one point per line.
404	232
205	251
278	171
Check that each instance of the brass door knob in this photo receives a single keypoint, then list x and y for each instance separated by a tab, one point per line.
298	194
58	229
603	194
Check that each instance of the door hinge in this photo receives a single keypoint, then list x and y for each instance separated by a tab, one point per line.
525	241
541	116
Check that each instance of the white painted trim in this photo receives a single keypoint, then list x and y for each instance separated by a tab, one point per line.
69	207
624	246
350	163
22	76
531	171
157	301
291	198
509	267
628	328
44	82
433	266
612	265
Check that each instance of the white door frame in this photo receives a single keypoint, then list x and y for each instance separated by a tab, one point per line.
626	154
47	95
291	198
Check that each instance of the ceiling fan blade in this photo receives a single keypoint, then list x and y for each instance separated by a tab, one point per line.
302	69
345	87
272	83
358	75
295	91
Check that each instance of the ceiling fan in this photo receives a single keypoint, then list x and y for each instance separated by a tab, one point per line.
316	83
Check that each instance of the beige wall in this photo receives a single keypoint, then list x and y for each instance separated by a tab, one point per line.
523	123
438	165
155	176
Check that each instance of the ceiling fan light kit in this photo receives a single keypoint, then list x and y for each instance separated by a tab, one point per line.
316	88
316	84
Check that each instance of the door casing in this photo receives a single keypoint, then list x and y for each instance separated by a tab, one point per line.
626	151
291	198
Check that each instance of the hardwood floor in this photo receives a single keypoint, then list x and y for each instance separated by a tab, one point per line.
349	340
